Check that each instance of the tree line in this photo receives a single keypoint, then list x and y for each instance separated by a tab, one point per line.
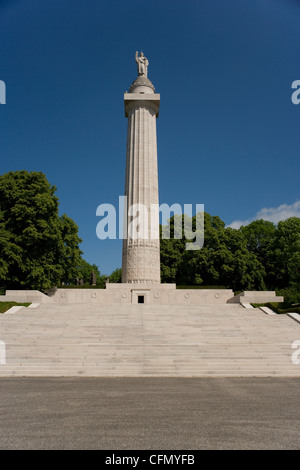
258	256
40	249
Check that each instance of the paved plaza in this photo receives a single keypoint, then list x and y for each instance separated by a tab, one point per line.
150	413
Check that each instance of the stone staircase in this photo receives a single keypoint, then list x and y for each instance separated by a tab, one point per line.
147	340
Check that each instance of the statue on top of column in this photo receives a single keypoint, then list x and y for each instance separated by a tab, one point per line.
142	64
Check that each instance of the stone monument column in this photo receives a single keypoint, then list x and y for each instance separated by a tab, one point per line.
141	255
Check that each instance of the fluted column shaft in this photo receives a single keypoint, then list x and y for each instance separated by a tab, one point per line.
141	257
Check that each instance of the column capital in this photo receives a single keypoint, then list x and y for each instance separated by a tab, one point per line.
140	99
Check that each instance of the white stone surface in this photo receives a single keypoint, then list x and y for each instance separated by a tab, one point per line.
256	297
132	100
294	316
13	309
141	257
126	293
155	293
267	310
159	294
25	296
147	340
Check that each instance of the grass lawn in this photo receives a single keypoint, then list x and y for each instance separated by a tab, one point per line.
4	306
279	307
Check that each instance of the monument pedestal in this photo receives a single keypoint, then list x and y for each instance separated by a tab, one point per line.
131	293
135	293
165	294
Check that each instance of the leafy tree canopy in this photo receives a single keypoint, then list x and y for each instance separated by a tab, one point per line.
116	276
38	248
258	256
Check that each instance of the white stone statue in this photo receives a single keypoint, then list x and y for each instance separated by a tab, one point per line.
142	64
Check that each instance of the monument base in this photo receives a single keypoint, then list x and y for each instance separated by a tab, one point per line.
126	293
166	294
149	294
131	293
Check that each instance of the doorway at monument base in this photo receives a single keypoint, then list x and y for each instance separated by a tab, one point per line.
166	294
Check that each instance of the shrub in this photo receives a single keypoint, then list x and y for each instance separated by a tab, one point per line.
4	306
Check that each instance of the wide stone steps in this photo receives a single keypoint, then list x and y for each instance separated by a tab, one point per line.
147	340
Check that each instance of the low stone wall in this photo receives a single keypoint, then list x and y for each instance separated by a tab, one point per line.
160	294
202	296
80	296
25	296
256	297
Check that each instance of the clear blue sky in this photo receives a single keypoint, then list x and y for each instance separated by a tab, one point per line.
228	133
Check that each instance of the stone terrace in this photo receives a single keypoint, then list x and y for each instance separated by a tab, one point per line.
147	340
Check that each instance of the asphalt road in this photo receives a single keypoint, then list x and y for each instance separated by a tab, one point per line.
150	413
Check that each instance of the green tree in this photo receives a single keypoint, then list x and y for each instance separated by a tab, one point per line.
239	269
116	276
38	249
69	249
223	260
171	248
85	270
260	237
284	254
